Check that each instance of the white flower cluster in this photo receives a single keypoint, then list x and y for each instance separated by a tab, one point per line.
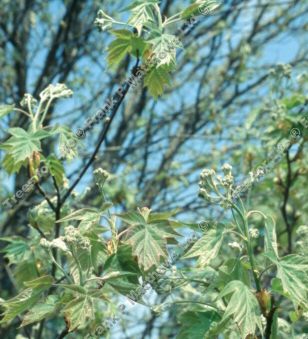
72	238
56	243
28	100
55	91
101	176
215	188
103	21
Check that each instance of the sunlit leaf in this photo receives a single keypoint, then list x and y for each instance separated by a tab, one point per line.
148	240
22	144
243	308
156	80
208	246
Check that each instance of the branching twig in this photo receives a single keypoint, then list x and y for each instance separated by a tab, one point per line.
102	139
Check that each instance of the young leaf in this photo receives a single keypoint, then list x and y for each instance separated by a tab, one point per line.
142	13
79	312
243	307
10	165
26	299
293	272
43	282
22	144
19	304
119	48
125	43
148	240
56	169
41	311
271	249
68	142
208	246
164	47
16	250
89	218
156	79
121	261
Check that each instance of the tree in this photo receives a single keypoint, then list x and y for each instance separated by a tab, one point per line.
177	89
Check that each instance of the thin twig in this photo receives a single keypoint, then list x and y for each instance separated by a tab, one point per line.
102	139
40	189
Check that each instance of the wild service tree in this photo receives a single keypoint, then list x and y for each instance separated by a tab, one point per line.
110	121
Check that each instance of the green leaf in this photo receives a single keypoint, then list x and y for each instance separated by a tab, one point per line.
56	169
154	217
68	142
119	48
16	250
19	304
132	218
42	282
123	260
148	240
115	275
196	324
164	47
126	43
243	307
80	311
293	272
22	143
74	288
98	249
26	299
89	218
233	269
41	311
142	13
271	248
5	110
208	246
156	79
10	165
25	270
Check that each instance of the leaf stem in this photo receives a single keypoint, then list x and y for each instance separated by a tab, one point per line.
248	246
59	266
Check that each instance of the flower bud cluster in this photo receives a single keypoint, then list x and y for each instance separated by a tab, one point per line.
103	21
56	91
28	101
101	176
71	239
215	188
45	243
74	238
